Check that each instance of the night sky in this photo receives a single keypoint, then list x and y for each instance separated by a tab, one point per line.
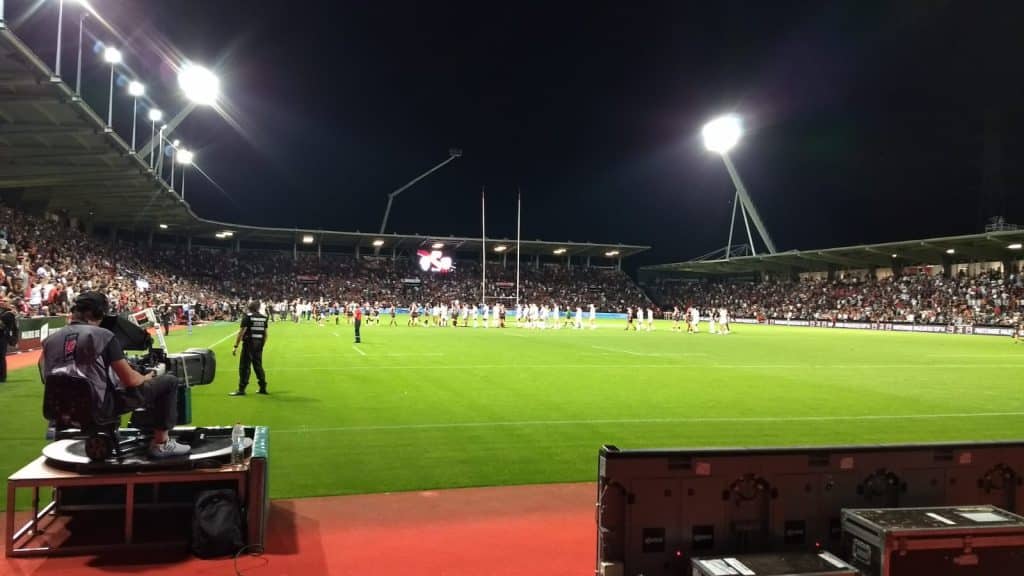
866	121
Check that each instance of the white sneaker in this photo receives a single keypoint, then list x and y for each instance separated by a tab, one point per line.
169	449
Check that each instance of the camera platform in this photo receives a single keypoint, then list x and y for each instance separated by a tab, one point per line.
120	507
211	448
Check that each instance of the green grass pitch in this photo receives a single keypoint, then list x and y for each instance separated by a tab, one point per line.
419	408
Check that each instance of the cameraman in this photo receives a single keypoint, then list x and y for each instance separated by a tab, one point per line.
253	336
84	349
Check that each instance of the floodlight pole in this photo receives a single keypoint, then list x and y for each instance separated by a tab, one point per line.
483	249
748	204
60	31
152	133
519	234
452	155
174	158
746	224
110	102
78	70
135	118
732	222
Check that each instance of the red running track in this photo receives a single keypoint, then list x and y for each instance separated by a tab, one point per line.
538	530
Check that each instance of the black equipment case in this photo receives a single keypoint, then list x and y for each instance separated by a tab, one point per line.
799	564
946	541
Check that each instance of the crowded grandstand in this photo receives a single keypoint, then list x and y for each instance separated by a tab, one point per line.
42	273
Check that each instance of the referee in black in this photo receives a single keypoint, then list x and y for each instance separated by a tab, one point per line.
253	336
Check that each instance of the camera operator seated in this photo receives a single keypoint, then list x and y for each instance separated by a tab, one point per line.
85	350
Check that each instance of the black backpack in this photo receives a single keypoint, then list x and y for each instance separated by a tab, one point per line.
217	524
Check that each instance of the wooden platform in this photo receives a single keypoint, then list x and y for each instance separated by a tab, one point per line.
37	536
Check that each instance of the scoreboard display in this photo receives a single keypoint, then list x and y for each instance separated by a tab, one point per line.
435	261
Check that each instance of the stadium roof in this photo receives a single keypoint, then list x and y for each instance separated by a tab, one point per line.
988	246
58	154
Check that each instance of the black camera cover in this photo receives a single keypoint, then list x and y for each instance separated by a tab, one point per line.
130	335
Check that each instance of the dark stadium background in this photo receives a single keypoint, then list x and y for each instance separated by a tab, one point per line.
868	121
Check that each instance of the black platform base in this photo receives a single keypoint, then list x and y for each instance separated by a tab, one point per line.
211	448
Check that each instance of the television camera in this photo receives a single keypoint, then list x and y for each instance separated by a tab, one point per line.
86	429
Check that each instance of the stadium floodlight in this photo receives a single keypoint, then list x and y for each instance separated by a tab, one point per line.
155	115
559	251
185	156
220	235
895	255
378	243
612	253
135	89
307	239
1014	246
500	248
722	133
199	84
163	226
950	251
228	233
437	245
111	56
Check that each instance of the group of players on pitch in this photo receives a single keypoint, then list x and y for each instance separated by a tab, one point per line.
467	315
718	320
487	316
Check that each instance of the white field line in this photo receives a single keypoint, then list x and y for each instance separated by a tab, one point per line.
527	366
749	419
358	350
389	354
974	356
662	354
618	351
223	339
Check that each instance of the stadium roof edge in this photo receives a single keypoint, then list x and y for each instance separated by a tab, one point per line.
985	246
58	154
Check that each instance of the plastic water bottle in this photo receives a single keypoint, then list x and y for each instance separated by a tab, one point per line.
237	443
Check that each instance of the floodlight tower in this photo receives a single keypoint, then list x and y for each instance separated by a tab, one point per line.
201	87
721	135
453	153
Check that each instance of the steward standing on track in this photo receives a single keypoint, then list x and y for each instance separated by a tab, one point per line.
253	336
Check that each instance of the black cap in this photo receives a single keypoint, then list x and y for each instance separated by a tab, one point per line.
94	301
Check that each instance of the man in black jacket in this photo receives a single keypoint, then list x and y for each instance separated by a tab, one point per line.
253	336
8	335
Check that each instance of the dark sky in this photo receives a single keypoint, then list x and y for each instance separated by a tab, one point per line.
866	121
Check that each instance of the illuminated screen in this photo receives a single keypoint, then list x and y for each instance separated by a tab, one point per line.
434	261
